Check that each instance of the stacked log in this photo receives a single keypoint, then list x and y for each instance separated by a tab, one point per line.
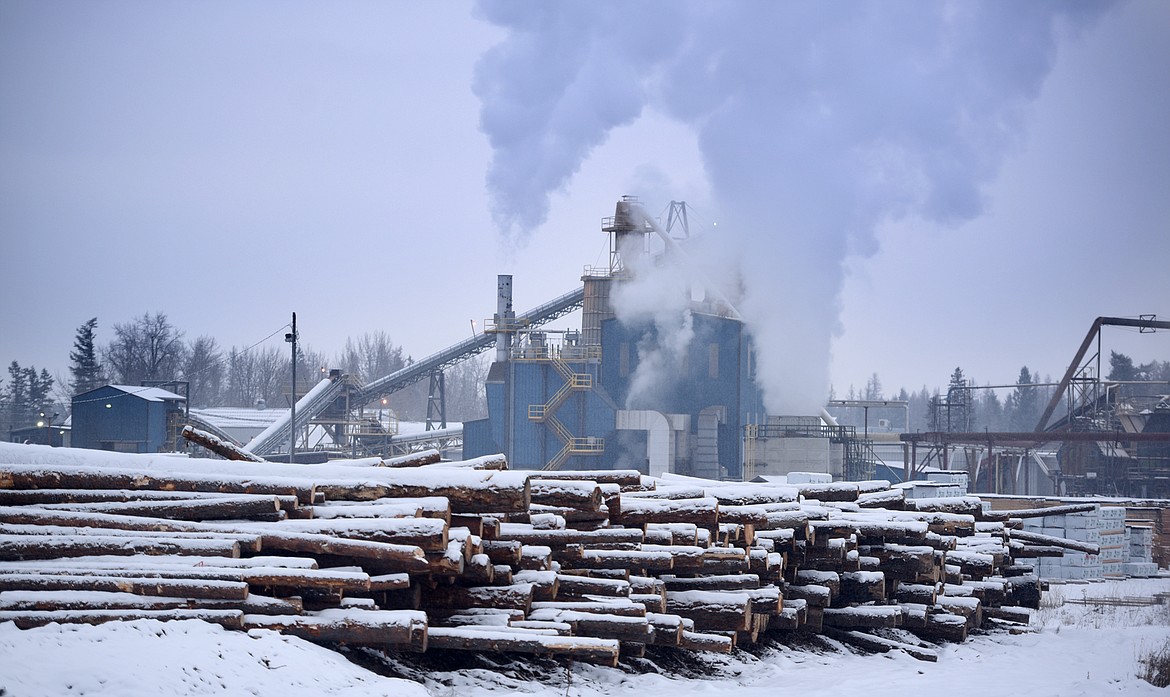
410	555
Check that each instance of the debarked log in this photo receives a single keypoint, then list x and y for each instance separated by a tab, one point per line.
219	446
624	478
246	542
516	597
1049	540
602	626
239	507
572	585
920	593
972	564
396	628
588	649
877	644
865	616
862	587
117	600
17	547
469	491
701	641
720	582
423	457
567	493
712	610
639	511
1039	512
427	533
77	477
624	559
166	587
232	619
260	577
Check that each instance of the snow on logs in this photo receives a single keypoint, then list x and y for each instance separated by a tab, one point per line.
226	450
411	555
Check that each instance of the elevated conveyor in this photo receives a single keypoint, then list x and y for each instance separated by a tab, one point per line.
197	420
321	397
308	409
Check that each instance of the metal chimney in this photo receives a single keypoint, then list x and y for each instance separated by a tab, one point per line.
505	318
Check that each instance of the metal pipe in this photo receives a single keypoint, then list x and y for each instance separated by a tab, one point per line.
1084	348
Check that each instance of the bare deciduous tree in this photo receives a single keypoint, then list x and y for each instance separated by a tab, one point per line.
146	348
203	368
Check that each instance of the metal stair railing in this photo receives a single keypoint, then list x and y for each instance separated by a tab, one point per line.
573	381
573	445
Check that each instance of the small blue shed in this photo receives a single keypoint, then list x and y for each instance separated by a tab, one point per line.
127	419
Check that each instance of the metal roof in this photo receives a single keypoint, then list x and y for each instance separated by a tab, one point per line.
150	394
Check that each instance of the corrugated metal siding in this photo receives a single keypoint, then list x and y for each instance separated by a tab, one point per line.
125	420
729	384
497	412
477	439
156	426
530	444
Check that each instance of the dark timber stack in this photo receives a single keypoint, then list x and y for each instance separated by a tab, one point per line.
407	555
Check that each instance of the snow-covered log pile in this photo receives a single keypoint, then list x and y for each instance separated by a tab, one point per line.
585	565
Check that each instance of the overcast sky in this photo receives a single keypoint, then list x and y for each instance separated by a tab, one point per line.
935	184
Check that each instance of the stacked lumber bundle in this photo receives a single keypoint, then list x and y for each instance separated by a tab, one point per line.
416	556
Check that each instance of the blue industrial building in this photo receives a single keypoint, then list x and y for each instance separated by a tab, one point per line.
607	396
128	419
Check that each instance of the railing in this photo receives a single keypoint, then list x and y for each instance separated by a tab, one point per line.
573	381
573	445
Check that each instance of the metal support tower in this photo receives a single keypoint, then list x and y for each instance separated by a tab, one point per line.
437	401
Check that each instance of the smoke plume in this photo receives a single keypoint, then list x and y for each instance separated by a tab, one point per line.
817	123
655	296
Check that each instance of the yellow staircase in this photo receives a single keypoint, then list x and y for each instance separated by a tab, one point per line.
573	445
544	413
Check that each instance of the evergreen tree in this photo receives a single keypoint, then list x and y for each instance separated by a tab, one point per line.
18	403
1121	367
16	397
1024	403
873	388
991	411
86	371
961	416
40	389
919	410
27	395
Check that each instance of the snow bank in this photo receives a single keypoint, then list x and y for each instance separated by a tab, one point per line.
147	658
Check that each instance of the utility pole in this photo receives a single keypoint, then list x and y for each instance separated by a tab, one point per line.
291	337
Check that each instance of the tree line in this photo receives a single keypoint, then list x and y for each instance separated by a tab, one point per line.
965	406
150	349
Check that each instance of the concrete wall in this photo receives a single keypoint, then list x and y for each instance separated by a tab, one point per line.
776	456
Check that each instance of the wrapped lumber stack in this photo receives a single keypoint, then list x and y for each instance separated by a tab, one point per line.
1104	526
1140	551
414	555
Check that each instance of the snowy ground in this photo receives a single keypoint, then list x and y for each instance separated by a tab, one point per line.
1077	649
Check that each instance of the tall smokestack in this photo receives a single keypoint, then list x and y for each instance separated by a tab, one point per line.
505	317
627	232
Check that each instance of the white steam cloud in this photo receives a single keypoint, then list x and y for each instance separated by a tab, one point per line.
657	296
816	121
